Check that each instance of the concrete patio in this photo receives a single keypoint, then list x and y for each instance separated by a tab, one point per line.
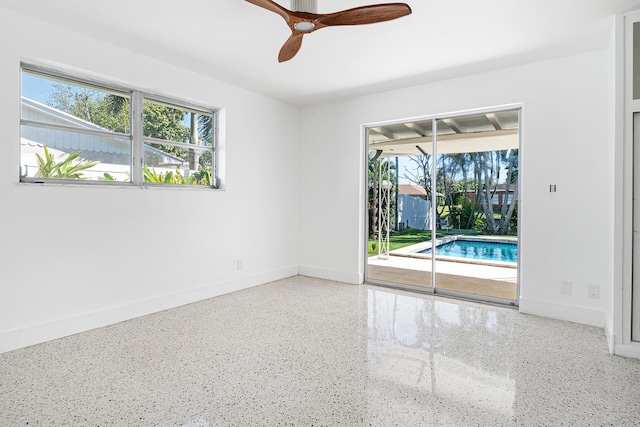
488	280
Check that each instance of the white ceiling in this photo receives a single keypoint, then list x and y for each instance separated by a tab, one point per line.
237	42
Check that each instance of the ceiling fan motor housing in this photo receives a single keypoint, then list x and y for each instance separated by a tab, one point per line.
309	6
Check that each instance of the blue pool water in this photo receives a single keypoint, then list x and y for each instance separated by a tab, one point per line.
486	251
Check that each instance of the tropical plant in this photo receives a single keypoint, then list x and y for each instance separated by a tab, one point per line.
464	214
202	177
65	169
150	175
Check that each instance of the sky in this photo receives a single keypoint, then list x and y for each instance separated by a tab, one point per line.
35	88
402	163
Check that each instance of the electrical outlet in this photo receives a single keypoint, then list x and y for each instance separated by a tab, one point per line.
594	291
566	287
239	265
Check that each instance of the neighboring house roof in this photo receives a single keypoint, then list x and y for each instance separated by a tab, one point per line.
411	190
104	148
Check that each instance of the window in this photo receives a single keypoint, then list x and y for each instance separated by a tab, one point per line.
79	131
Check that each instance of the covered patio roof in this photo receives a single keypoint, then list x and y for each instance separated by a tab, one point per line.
476	133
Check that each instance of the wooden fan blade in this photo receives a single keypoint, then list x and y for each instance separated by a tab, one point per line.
290	47
273	7
366	14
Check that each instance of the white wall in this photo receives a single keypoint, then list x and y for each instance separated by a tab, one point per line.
74	258
565	235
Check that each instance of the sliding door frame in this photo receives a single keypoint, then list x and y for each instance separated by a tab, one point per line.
519	107
624	336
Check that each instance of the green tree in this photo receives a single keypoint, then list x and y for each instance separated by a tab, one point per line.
509	209
112	112
108	111
163	122
447	186
488	166
460	173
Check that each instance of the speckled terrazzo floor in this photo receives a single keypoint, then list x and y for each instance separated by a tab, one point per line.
309	352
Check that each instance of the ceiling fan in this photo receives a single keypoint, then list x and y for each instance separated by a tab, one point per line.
303	19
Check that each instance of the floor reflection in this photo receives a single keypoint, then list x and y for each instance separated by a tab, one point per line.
311	352
424	344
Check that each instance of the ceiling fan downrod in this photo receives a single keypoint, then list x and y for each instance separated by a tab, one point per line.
309	6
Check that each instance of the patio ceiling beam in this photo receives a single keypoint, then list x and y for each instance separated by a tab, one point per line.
416	128
453	125
451	137
452	143
495	121
385	132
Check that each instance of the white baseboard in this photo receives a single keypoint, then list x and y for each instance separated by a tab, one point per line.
586	316
610	336
627	350
19	338
329	274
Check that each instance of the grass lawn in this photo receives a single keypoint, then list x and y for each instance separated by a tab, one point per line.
410	236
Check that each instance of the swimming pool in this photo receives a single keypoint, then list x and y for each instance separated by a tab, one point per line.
478	250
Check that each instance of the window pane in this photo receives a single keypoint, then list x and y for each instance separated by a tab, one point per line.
47	100
79	129
57	154
168	164
178	124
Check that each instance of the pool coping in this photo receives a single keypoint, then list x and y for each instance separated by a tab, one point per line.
411	251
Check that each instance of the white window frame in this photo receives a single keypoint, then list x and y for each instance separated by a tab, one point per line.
136	135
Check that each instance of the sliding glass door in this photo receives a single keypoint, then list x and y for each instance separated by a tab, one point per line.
399	214
453	190
476	205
